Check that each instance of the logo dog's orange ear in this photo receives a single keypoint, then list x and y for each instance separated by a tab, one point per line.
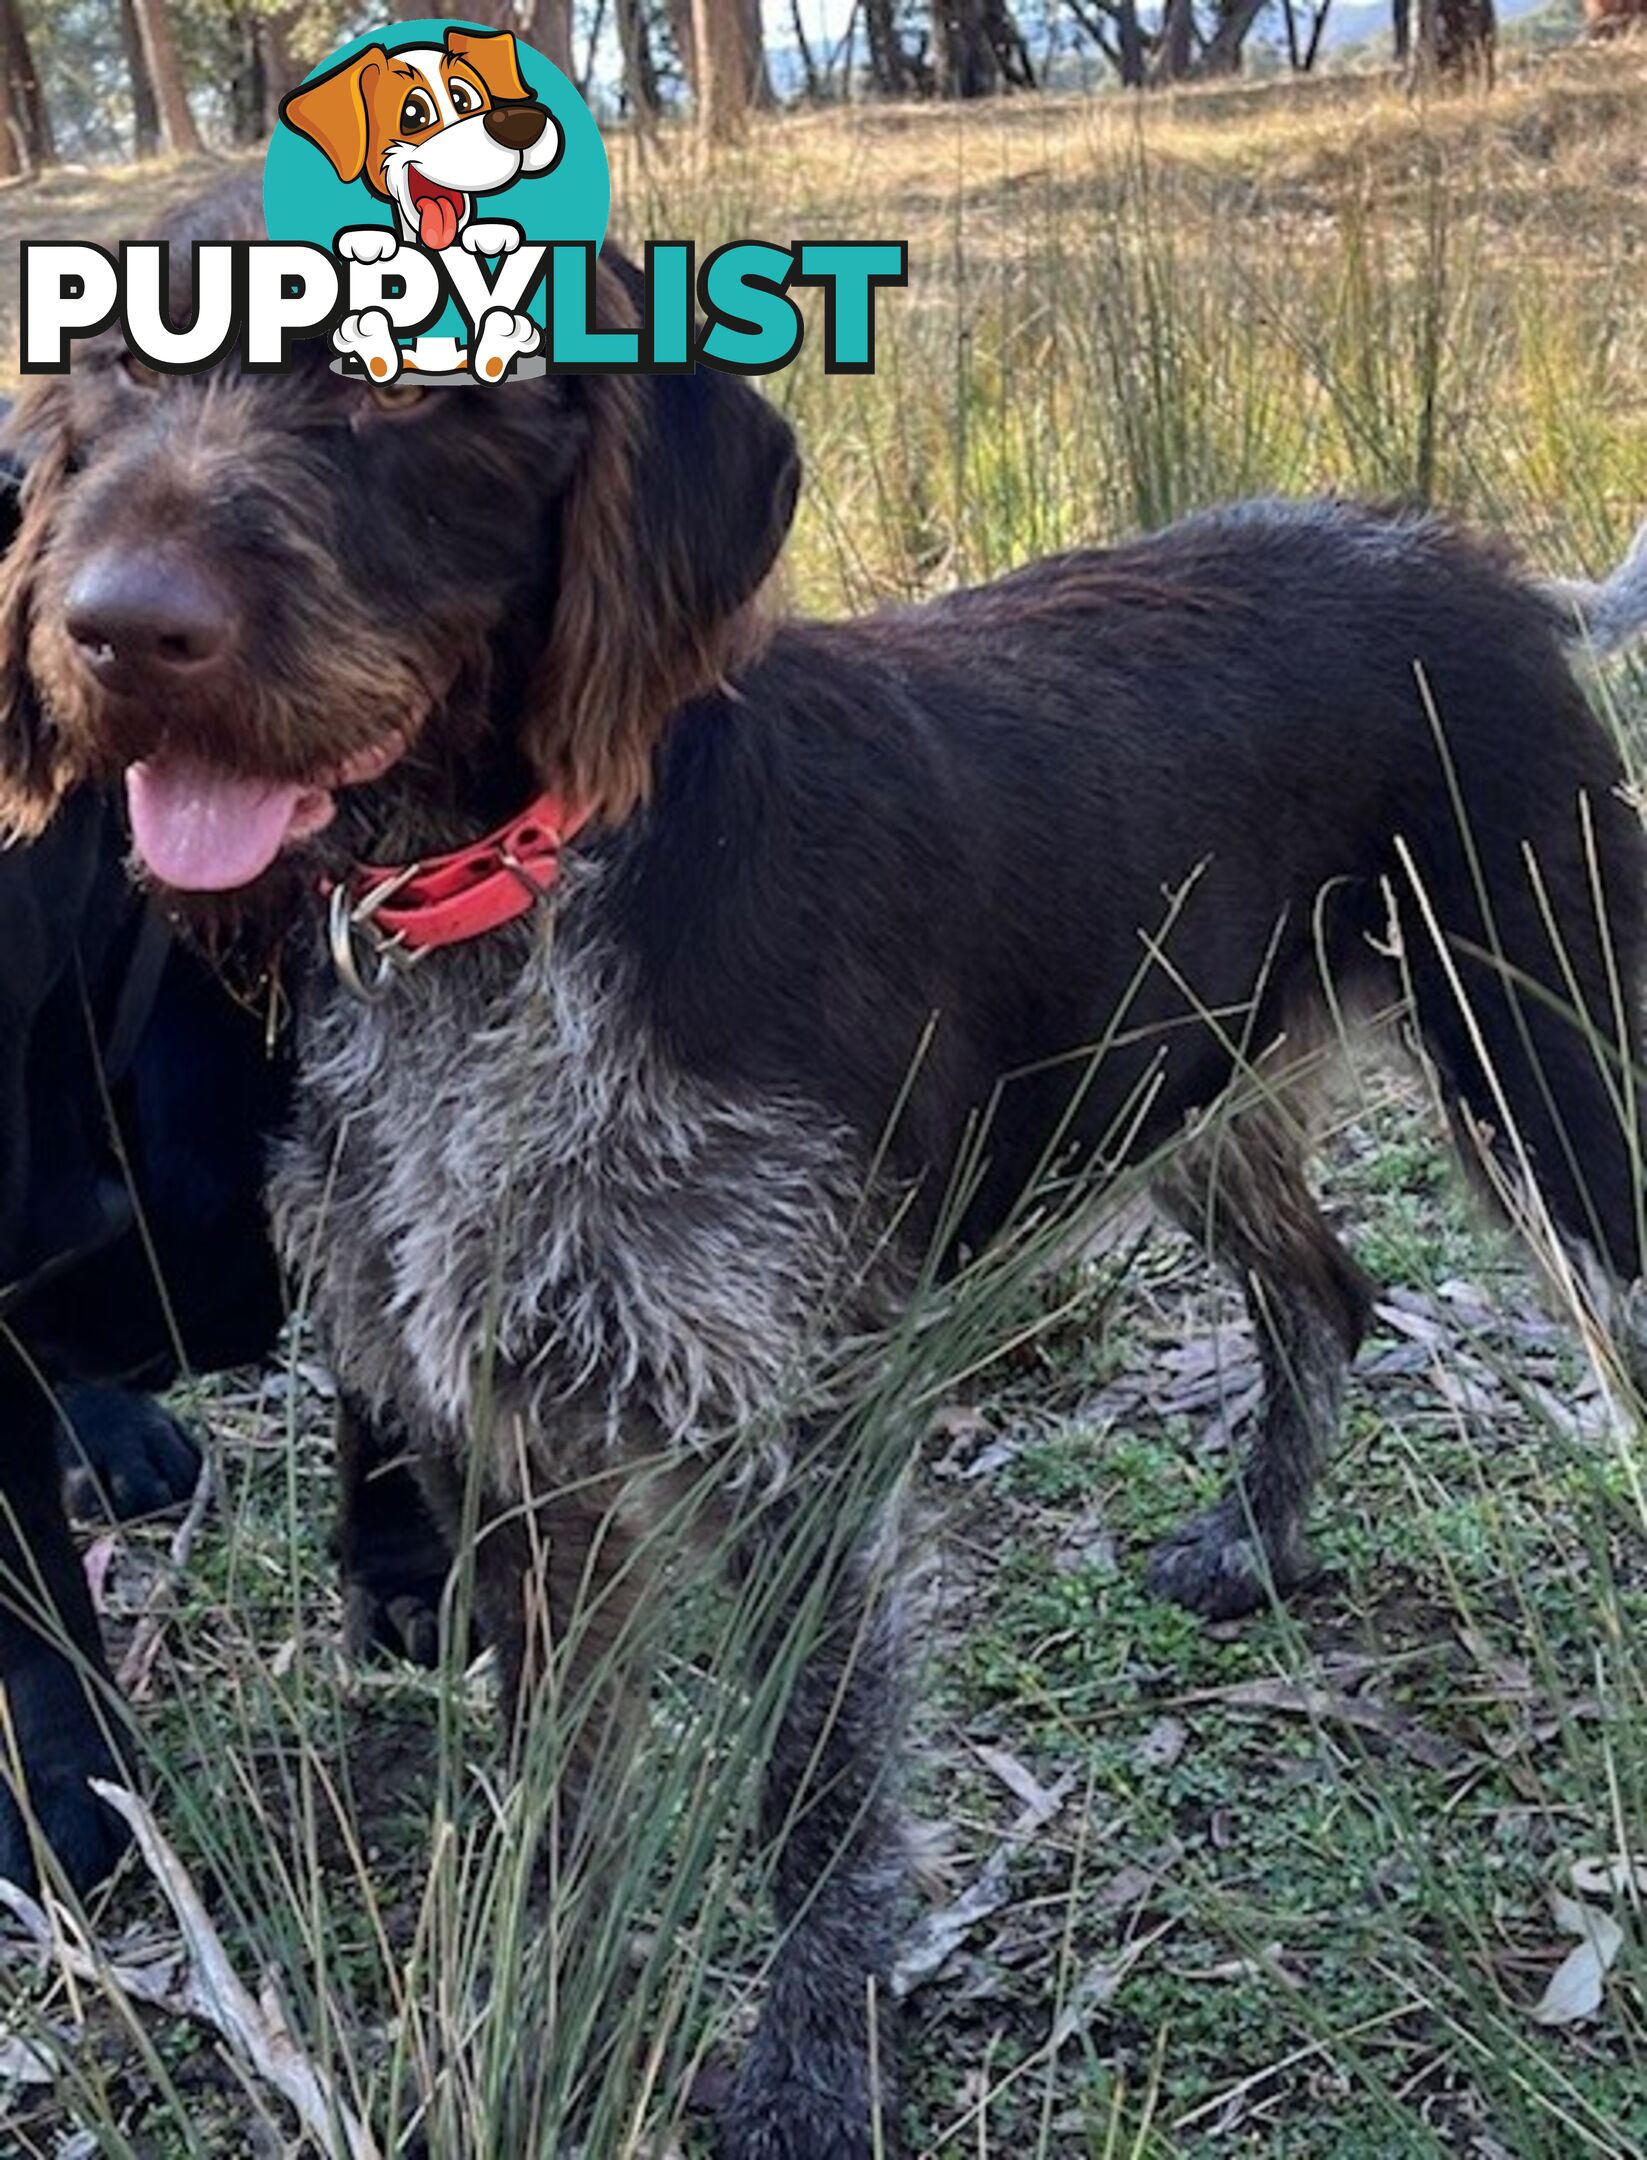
331	111
493	57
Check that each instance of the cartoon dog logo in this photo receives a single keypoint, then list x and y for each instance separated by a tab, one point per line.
430	129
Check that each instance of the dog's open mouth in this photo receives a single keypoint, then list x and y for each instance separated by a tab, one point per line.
197	829
439	209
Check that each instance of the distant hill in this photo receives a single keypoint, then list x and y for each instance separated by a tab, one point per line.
1354	26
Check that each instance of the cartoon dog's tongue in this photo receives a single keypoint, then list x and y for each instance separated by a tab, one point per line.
438	210
201	831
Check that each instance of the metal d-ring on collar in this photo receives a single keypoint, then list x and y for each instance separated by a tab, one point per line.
353	935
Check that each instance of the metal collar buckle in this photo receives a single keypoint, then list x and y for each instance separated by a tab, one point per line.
355	939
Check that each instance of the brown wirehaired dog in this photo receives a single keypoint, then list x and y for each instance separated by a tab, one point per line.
821	897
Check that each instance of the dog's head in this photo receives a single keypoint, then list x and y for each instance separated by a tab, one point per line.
429	127
260	600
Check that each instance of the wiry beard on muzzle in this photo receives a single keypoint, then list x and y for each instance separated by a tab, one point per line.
309	682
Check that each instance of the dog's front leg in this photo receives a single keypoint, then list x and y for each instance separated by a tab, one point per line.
61	1720
368	243
495	236
503	337
817	2080
369	338
392	1556
559	1575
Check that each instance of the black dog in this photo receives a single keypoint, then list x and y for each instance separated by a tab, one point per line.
624	1175
137	1101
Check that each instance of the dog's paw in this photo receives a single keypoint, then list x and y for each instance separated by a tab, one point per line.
122	1456
1215	1566
368	243
504	336
496	237
399	1620
369	338
86	1837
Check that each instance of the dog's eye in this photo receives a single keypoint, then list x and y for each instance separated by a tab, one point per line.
464	99
417	113
398	397
140	372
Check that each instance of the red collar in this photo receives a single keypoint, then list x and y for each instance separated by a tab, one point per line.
447	899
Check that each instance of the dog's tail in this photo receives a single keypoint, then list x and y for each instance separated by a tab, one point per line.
1608	616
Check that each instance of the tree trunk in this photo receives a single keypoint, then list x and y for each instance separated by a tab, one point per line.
803	45
1223	52
28	101
1466	37
889	67
1457	41
1130	47
282	69
754	45
1175	54
13	164
966	60
247	84
1401	26
1007	43
549	27
145	112
728	65
165	65
640	71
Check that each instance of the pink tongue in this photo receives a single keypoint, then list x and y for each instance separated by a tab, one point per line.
437	221
200	831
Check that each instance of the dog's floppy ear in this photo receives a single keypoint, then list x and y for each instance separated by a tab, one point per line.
331	111
671	522
33	778
495	60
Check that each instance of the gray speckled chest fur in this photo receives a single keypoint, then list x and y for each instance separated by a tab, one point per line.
503	1196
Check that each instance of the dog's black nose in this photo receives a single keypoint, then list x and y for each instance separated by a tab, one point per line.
150	615
517	127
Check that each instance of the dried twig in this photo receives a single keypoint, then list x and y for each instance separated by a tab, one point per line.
1324	1705
137	1666
206	1989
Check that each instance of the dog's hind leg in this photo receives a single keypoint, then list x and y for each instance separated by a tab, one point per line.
1531	1024
814	2083
1243	1195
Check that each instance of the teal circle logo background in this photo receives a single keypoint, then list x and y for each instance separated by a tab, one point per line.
303	198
